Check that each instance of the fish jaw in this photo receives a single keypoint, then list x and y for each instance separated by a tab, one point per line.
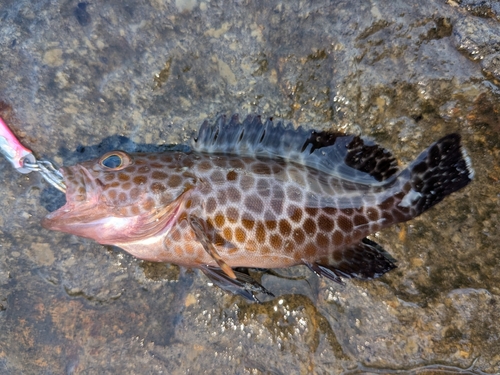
102	228
83	214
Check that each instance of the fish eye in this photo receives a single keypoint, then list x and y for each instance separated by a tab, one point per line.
115	160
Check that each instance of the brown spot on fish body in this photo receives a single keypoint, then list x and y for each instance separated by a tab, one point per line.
271	224
265	250
166	158
189	248
232	251
310	250
285	228
219	220
157	165
338	238
205	165
240	235
277	169
178	250
295	213
79	198
176	235
260	232
299	236
344	223
124	211
143	169
372	214
311	211
221	198
122	198
217	178
254	203
157	188
123	176
148	205
322	240
111	194
246	182
134	193
139	180
277	206
248	224
360	220
158	175
211	205
236	164
233	194
232	215
330	211
231	176
251	245
309	226
261	168
325	223
109	177
276	241
228	234
263	188
174	181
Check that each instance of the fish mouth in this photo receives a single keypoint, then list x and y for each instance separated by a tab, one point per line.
86	216
82	194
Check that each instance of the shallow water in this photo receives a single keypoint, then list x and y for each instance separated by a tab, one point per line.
80	79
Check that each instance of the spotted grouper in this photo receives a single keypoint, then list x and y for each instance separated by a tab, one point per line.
258	195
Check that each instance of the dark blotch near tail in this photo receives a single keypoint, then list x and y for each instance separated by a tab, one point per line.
362	155
439	171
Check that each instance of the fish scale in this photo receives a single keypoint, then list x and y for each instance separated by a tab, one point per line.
254	195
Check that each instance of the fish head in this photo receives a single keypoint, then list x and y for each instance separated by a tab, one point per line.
119	197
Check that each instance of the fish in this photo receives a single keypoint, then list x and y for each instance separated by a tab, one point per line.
258	194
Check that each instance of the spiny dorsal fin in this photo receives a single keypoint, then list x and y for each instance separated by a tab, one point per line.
346	156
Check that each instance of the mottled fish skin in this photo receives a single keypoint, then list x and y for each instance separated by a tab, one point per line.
254	195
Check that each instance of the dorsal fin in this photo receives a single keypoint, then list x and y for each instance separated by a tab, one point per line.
346	156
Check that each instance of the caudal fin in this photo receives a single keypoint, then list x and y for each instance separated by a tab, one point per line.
439	171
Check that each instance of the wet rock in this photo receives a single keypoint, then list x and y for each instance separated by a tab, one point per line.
80	79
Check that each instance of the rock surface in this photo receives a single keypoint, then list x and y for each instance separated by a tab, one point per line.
79	79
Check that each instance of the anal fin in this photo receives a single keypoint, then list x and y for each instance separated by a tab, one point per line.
242	284
365	260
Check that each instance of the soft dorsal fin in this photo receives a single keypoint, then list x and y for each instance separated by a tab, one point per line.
346	156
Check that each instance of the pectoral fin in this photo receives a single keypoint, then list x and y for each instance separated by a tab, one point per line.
201	236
